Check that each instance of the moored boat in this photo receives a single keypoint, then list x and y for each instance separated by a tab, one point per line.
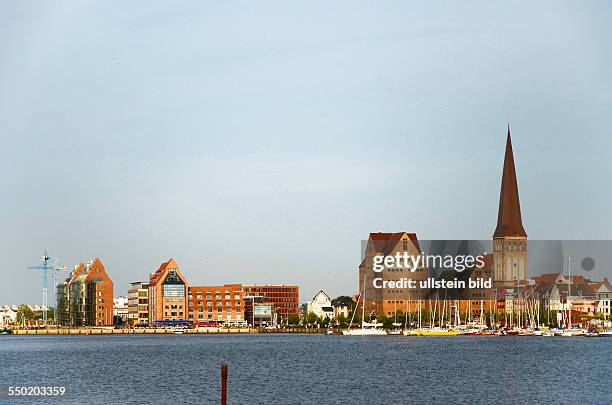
437	332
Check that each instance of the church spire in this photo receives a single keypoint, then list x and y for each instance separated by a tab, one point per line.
509	221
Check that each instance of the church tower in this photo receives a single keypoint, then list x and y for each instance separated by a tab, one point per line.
509	238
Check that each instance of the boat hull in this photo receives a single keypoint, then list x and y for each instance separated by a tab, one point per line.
364	332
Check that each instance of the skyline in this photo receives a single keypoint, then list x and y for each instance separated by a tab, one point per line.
134	142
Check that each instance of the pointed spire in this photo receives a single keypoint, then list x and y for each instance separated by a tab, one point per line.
509	221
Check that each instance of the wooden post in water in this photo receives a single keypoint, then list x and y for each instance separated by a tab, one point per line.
224	383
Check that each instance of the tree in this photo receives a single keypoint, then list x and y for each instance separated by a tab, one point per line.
343	300
24	312
312	318
342	321
293	319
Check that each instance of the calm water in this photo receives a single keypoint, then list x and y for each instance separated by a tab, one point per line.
296	369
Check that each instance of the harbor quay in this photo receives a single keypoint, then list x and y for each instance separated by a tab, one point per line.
163	331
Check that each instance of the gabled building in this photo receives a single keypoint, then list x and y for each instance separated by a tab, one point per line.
167	294
85	298
385	301
321	305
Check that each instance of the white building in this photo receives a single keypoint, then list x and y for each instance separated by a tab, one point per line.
604	297
120	308
7	315
321	305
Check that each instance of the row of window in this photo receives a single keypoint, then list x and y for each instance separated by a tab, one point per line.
210	304
217	297
219	317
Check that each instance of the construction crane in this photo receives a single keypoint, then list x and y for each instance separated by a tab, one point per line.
45	267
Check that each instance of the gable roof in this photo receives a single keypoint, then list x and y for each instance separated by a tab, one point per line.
385	242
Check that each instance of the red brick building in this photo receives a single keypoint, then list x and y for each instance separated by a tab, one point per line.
284	298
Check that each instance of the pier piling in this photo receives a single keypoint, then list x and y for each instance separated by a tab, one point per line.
224	383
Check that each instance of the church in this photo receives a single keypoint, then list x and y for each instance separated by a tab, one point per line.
509	238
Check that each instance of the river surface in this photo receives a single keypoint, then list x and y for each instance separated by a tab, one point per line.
309	369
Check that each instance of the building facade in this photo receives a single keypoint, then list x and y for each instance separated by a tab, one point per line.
85	298
386	301
120	310
216	304
509	238
167	294
284	298
138	303
321	306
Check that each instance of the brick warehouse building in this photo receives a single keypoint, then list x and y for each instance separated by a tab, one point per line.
85	298
171	298
216	304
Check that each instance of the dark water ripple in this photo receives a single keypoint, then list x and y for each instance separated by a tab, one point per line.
308	369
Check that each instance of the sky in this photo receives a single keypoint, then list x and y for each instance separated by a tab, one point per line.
261	142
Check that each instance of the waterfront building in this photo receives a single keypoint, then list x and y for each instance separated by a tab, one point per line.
509	238
284	298
258	312
85	298
120	309
387	300
320	305
171	299
343	310
8	315
138	303
224	304
603	295
167	294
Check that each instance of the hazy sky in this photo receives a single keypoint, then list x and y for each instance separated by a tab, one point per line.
260	142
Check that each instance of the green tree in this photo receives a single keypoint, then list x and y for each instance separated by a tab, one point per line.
294	319
343	300
342	321
312	318
24	312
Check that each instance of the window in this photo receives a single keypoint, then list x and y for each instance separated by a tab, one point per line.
174	290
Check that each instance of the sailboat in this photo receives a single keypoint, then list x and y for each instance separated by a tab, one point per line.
367	328
396	324
570	331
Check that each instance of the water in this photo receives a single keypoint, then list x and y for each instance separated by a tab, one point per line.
297	369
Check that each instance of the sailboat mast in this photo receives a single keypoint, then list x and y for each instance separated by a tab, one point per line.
569	288
364	300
